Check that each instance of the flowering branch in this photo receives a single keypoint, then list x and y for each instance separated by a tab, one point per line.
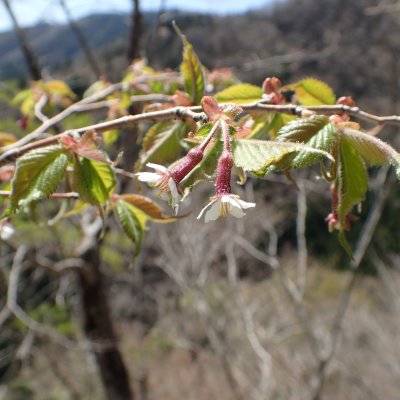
21	147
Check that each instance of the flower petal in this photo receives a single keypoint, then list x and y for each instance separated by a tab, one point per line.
205	208
236	205
157	167
213	213
244	204
175	197
236	211
228	198
148	177
6	231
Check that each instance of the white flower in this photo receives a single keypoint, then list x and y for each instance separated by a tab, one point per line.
162	180
154	178
224	205
6	231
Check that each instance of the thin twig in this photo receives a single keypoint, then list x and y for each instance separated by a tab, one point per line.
68	195
176	112
39	107
19	148
12	303
301	238
141	98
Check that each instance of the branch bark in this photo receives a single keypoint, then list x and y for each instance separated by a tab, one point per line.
97	320
135	32
92	61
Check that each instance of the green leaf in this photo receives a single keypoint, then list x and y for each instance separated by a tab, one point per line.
205	169
353	179
130	224
192	70
302	129
22	96
269	125
95	88
345	244
205	129
93	180
161	143
312	92
373	150
146	209
37	175
242	93
324	140
110	137
257	155
57	87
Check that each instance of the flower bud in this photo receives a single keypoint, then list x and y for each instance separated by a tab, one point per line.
271	85
346	101
277	98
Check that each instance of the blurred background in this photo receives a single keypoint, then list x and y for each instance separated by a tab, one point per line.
266	307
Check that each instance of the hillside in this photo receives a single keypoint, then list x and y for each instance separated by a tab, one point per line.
336	44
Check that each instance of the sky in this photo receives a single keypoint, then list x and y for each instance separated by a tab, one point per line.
30	12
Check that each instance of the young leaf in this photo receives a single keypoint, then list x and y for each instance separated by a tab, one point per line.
110	137
303	129
37	175
56	87
324	140
146	208
312	92
257	155
241	94
93	180
204	129
130	223
161	143
373	150
87	146
6	139
353	179
192	70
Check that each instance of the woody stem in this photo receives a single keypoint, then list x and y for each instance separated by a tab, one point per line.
225	133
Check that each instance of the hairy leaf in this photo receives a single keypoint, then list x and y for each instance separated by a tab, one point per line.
303	129
126	216
373	150
161	143
93	180
37	175
241	94
192	71
87	146
312	92
257	155
324	140
353	179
